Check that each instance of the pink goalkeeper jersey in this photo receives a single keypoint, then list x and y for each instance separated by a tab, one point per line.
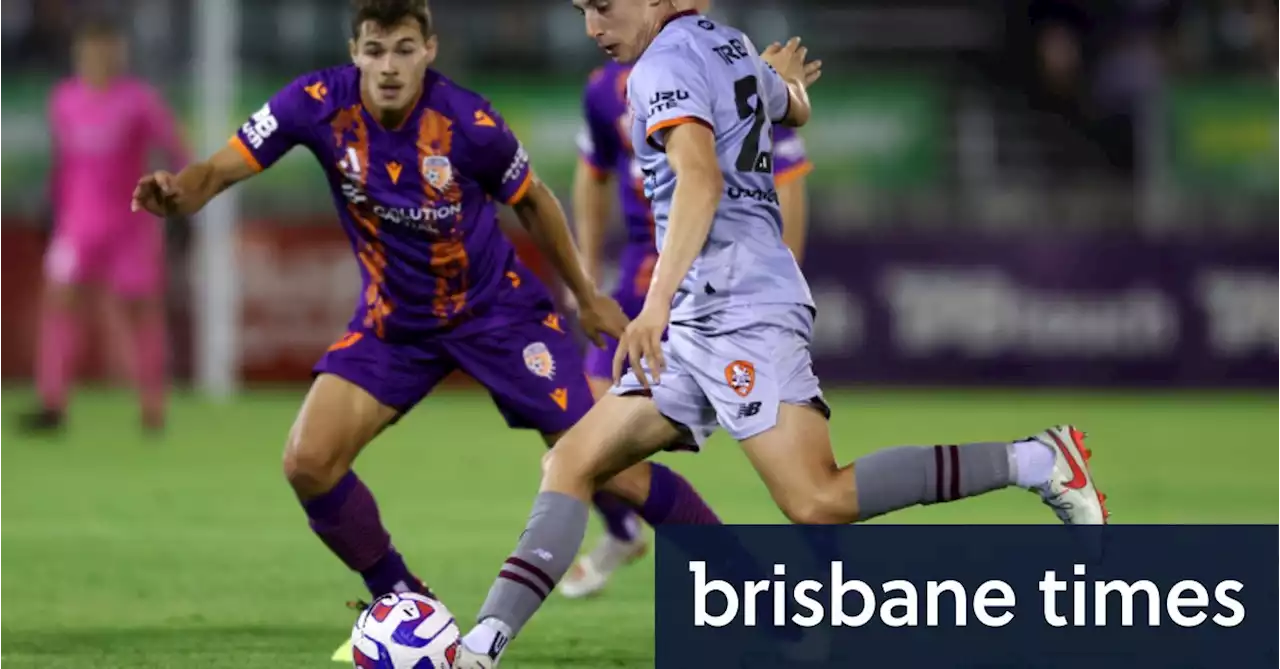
102	139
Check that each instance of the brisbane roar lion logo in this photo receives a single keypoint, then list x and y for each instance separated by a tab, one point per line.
537	357
741	376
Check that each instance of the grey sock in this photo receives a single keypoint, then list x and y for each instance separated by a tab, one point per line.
903	476
545	552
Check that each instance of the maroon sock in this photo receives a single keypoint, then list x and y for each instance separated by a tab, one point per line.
673	501
346	519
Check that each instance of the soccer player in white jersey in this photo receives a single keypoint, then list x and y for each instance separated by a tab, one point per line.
740	317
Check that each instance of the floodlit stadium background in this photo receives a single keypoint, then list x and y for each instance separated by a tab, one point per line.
1022	213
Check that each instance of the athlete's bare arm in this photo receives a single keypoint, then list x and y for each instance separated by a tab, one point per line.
541	214
794	200
591	197
187	192
691	152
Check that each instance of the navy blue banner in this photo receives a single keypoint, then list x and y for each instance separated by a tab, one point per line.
967	596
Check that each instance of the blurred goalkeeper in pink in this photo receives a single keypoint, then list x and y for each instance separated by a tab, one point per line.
104	126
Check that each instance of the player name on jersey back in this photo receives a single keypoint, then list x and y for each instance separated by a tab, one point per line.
700	71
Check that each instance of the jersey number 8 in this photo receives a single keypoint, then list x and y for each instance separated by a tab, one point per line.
751	158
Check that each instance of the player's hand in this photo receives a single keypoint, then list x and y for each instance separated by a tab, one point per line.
789	61
642	343
600	315
156	193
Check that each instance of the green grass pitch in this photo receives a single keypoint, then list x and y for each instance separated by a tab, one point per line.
190	551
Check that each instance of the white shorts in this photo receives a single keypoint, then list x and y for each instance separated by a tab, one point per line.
733	369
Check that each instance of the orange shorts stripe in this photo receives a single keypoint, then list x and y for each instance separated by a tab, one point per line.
347	341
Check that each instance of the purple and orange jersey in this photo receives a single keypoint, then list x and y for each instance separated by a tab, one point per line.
443	290
418	201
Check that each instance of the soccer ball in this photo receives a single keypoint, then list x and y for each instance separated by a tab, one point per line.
405	630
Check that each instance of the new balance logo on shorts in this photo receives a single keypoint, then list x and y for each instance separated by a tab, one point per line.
748	409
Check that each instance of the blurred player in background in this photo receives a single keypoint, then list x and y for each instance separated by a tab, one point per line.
604	144
416	165
740	318
103	126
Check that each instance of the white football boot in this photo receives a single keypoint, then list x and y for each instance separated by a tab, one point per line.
1071	492
472	660
591	572
491	637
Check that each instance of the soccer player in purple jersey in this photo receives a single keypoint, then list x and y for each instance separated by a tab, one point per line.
416	165
739	320
607	161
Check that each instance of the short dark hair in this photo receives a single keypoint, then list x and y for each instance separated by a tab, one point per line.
387	13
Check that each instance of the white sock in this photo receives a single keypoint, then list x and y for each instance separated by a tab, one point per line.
489	637
1031	463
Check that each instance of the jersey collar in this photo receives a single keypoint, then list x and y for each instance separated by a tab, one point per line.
678	15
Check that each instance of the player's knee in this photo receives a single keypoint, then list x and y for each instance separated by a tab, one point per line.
311	467
556	463
563	468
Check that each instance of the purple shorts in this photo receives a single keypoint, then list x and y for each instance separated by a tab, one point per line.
634	271
530	365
